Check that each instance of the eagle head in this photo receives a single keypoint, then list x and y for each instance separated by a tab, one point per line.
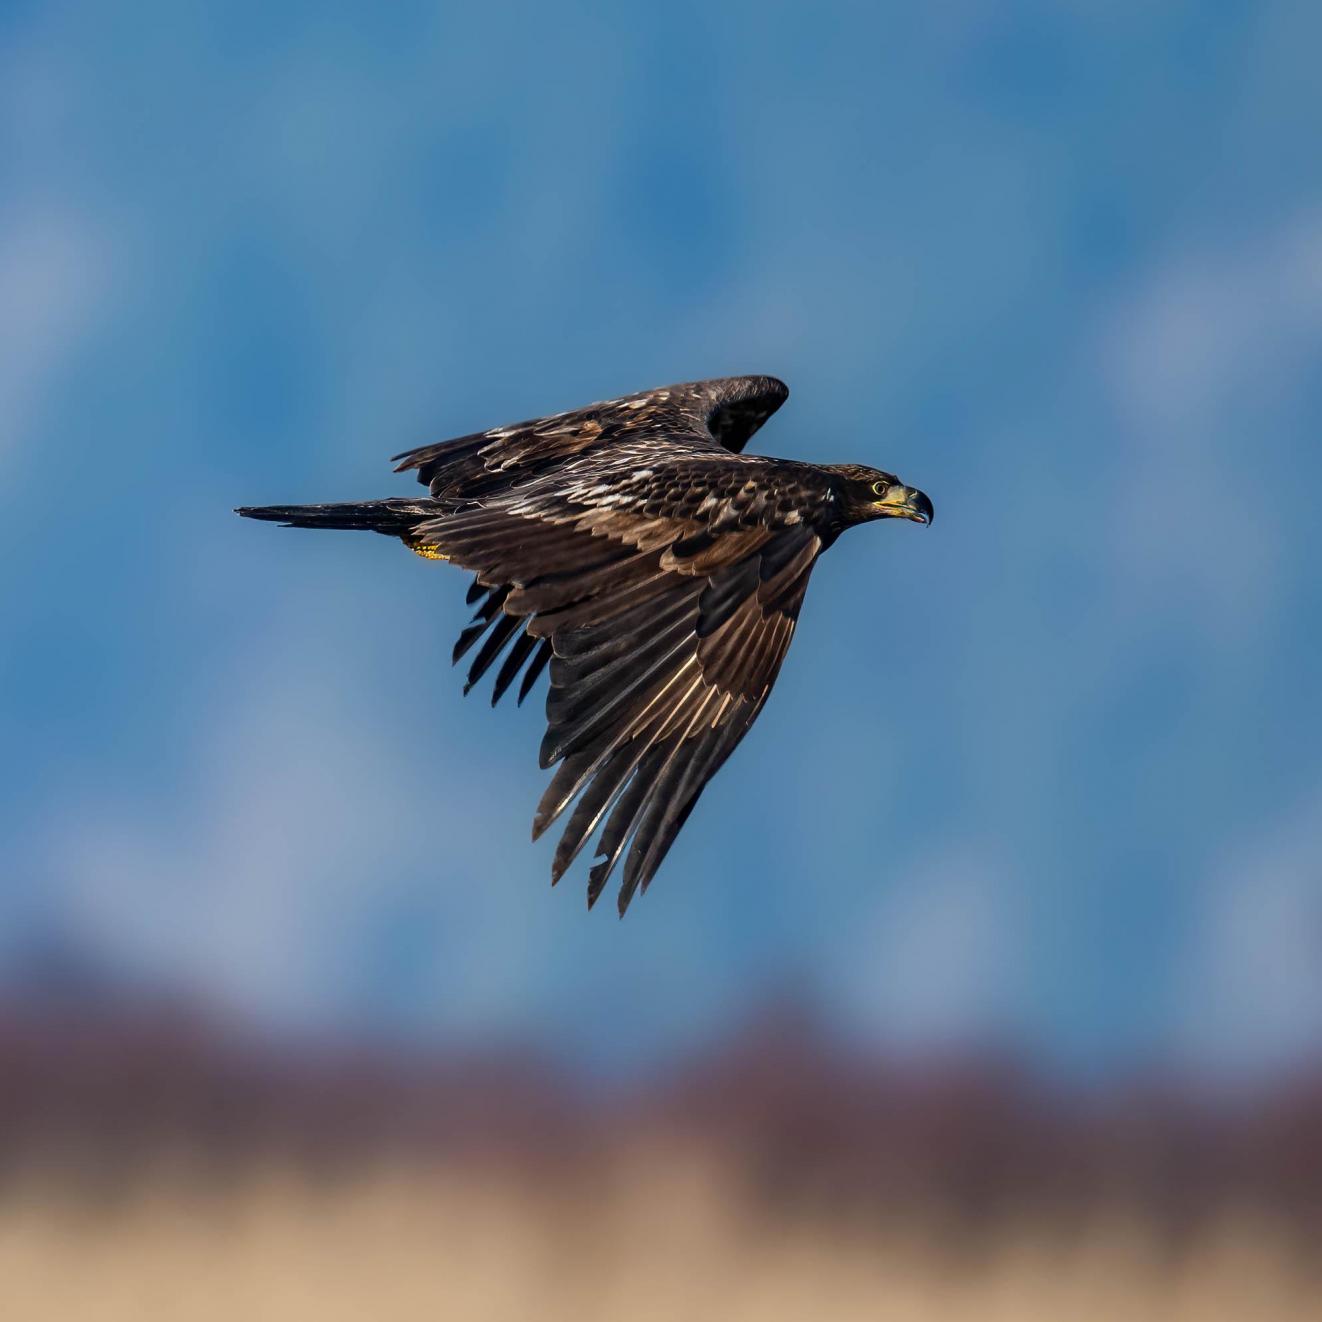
868	493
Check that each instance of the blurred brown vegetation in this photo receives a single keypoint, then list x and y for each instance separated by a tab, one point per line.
156	1163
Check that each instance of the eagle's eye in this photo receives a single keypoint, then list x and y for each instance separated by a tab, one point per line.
880	488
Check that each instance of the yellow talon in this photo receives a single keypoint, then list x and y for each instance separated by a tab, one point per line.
425	551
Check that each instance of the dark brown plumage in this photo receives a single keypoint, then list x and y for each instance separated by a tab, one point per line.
657	569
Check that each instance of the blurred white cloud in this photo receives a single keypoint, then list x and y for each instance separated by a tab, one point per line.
1216	319
56	260
1209	356
936	962
1249	997
252	892
54	271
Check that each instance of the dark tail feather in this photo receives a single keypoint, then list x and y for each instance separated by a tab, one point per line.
392	517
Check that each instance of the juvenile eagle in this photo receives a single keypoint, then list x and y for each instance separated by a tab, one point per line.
658	569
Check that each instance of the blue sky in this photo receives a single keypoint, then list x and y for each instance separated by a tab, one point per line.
1045	777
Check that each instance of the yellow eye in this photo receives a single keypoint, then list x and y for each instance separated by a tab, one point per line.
880	488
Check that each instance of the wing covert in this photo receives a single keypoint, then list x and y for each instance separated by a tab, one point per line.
716	415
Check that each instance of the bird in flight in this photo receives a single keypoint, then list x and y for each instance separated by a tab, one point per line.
658	569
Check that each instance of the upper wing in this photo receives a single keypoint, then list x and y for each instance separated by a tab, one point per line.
665	636
699	415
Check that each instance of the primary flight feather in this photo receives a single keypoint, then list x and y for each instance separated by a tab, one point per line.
656	568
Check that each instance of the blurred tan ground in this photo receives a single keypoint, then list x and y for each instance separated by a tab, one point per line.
158	1165
662	1236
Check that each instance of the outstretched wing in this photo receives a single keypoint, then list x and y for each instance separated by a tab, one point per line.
720	414
665	600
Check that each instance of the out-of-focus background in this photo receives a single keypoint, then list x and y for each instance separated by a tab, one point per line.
986	981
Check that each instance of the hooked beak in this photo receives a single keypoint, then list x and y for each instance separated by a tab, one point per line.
902	502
